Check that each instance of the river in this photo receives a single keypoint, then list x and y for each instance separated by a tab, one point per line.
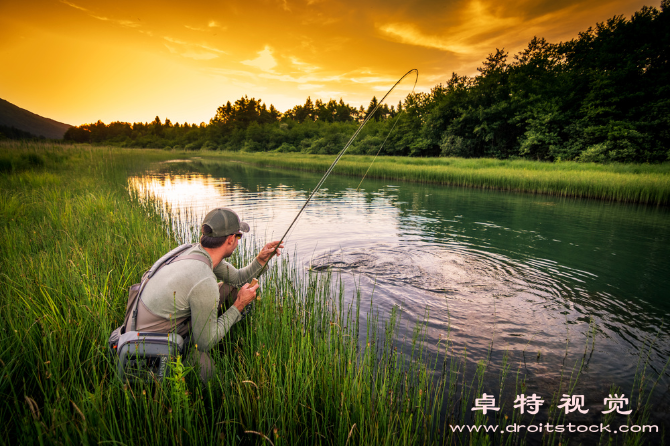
531	275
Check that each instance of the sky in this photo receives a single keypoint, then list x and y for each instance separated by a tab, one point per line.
79	61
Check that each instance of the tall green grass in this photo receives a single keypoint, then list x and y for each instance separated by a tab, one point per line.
300	370
639	183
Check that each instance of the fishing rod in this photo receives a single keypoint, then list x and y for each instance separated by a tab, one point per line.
332	166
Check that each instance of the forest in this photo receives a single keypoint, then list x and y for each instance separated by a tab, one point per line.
603	96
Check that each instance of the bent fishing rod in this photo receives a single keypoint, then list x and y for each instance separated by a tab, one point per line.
332	166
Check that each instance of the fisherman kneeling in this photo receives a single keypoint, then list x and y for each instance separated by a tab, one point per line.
184	297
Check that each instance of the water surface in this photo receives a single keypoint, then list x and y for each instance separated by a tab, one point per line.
532	275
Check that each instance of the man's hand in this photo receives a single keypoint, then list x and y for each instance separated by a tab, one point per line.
245	295
267	251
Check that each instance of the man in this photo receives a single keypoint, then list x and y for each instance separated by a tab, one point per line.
185	297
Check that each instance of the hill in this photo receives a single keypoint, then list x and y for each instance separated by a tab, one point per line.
13	116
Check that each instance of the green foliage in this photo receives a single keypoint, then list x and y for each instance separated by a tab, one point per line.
286	148
11	132
209	145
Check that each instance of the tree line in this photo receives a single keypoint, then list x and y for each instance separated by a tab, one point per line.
603	96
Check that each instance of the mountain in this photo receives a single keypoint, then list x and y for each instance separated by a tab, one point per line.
13	116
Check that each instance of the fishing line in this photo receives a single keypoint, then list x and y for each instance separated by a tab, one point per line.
380	148
346	146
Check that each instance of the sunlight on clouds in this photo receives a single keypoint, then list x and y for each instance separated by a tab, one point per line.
171	40
248	86
287	49
126	23
210	24
309	86
196	51
231	72
73	5
210	48
303	66
265	61
191	53
199	55
328	94
411	35
372	79
301	79
104	19
476	20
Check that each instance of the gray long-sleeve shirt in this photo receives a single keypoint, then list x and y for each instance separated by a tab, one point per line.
189	289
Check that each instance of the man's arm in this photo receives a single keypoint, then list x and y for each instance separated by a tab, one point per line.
206	328
227	273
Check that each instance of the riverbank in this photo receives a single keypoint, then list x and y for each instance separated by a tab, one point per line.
73	240
636	183
299	371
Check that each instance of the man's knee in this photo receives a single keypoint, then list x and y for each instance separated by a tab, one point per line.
227	295
202	363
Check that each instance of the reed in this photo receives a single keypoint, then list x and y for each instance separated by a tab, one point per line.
300	370
638	183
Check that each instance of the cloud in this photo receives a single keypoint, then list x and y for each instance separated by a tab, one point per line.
324	86
328	94
303	66
171	40
126	23
301	79
406	87
265	61
409	34
208	27
309	86
229	72
197	51
249	86
478	27
285	6
199	55
372	80
73	5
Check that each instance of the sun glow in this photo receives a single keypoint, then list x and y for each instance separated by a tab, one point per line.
132	62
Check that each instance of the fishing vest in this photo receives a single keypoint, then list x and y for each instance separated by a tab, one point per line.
148	351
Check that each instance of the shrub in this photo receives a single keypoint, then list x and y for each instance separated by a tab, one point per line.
193	146
286	147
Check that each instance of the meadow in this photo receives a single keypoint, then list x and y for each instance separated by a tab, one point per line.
637	183
300	370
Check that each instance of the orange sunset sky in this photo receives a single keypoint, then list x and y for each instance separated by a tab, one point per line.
78	61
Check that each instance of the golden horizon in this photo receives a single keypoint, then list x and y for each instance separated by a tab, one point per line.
80	61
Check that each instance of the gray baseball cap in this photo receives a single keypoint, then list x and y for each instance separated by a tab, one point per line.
224	222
